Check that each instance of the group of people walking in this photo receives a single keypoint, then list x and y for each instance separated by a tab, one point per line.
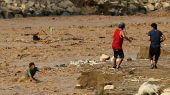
156	37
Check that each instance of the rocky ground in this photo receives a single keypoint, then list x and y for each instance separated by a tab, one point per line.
65	39
24	8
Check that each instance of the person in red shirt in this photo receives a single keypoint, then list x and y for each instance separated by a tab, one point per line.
117	43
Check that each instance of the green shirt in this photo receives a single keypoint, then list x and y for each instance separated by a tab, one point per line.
31	72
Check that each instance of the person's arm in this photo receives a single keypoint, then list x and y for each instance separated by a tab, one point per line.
149	36
123	35
29	75
163	38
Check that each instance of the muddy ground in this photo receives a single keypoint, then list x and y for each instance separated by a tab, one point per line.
65	39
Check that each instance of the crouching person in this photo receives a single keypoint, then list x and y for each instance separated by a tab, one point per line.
30	73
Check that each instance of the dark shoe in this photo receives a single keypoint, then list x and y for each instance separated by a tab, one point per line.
114	66
156	67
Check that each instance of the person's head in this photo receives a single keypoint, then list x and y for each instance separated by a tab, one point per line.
31	65
121	25
154	25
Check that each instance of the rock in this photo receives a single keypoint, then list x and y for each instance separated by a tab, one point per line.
166	90
158	5
165	4
61	65
30	3
35	37
65	4
132	71
70	10
150	7
78	86
8	1
109	87
129	59
104	58
65	14
166	93
100	1
149	88
151	1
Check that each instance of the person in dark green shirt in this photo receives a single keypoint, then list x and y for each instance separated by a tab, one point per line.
31	71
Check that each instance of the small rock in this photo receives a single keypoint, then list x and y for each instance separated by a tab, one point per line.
104	58
131	72
167	90
150	7
78	86
61	65
129	59
36	38
109	87
65	14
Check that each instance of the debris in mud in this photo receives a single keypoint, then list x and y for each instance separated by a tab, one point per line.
80	62
104	58
61	65
132	71
36	37
129	59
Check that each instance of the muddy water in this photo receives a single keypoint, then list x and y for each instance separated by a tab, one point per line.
73	38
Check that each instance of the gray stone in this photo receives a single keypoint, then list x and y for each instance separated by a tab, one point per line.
30	3
65	14
65	4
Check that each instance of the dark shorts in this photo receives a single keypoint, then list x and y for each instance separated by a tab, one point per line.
118	53
154	51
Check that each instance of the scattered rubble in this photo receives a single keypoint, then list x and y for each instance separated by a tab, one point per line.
80	62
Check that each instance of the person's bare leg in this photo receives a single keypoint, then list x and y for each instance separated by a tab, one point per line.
114	63
120	62
152	64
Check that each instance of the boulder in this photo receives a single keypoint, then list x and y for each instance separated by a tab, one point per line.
150	7
158	5
65	4
30	3
104	58
165	4
149	88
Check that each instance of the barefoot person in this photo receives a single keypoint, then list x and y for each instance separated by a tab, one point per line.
156	37
117	43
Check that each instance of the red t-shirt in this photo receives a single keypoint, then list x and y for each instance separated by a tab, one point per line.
117	40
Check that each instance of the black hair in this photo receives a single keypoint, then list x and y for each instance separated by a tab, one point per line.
154	25
31	64
121	25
